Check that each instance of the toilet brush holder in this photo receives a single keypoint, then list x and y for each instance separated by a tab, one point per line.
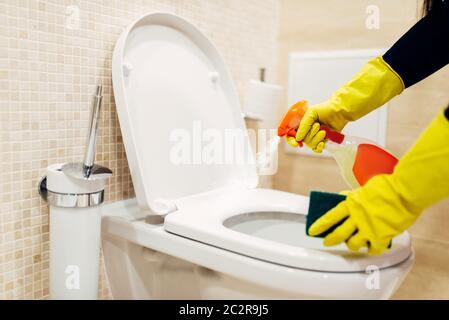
75	233
75	192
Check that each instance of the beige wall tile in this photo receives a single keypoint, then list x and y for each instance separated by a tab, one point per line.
48	72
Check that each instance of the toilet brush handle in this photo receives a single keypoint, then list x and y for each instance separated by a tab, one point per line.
89	156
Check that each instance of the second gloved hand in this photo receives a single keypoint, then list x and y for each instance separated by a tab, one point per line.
374	214
387	205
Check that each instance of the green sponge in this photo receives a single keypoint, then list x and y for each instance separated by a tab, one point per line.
320	203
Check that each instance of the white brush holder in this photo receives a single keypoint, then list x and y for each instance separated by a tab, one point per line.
75	233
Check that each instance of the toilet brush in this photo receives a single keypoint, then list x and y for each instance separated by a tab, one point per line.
88	170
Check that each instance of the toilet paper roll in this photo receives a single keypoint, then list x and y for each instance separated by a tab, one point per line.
262	100
261	103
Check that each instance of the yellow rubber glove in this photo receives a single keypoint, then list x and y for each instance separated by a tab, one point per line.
313	138
389	204
374	85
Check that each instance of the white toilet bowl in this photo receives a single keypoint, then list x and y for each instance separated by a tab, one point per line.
262	254
204	230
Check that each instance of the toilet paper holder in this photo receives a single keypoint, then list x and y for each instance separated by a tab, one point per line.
261	99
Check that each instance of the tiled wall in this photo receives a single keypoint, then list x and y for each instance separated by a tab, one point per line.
49	66
332	25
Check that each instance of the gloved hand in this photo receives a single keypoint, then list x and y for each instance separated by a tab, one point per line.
374	85
314	138
389	204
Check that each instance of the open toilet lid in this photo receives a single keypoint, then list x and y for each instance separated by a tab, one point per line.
176	104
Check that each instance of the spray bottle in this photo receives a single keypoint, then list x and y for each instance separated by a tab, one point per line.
359	159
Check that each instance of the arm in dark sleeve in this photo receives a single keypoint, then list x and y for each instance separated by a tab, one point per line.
446	113
424	49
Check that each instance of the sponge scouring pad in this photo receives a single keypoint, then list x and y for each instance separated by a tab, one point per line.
320	203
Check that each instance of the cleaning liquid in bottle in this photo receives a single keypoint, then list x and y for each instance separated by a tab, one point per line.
359	159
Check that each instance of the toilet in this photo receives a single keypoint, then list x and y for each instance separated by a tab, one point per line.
199	227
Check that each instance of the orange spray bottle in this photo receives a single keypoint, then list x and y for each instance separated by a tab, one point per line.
359	159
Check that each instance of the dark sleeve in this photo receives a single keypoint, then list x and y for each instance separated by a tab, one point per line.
446	113
424	49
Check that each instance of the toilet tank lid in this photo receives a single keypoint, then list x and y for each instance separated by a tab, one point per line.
178	108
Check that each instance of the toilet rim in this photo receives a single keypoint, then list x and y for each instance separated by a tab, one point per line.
191	221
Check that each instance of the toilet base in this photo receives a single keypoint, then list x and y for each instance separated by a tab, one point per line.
136	272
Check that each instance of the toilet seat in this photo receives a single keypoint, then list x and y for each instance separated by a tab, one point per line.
201	218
